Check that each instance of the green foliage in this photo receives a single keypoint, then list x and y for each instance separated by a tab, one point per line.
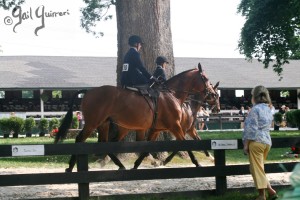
296	118
290	118
284	93
75	123
54	123
44	125
278	117
16	124
56	94
6	5
271	31
95	11
4	125
2	94
29	124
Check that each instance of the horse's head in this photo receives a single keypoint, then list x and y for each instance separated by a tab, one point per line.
210	93
194	82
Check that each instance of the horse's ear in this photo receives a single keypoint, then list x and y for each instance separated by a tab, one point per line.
200	67
217	84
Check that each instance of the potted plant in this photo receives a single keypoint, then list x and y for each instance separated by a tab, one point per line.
43	127
16	125
4	127
75	123
28	126
53	123
290	119
296	118
53	126
277	121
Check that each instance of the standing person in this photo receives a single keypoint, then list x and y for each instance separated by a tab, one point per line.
282	109
200	117
79	118
134	72
159	72
242	111
257	140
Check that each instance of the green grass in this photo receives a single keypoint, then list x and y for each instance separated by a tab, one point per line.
232	156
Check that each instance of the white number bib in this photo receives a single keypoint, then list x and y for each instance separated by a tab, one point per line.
125	67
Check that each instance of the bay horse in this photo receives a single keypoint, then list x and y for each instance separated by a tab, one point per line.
128	108
188	120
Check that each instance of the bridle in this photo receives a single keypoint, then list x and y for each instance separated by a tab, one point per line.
206	91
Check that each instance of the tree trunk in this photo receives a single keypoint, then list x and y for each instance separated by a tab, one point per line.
151	21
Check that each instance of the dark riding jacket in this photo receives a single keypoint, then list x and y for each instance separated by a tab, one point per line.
133	71
160	73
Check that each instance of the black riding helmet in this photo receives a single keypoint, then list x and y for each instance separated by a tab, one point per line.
160	60
134	39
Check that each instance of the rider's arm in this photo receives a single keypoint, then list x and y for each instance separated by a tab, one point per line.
140	66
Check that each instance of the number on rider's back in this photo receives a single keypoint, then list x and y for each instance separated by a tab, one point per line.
125	67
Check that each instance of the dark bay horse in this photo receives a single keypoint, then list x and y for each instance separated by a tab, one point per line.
127	108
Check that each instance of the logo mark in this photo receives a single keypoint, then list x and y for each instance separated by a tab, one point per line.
8	20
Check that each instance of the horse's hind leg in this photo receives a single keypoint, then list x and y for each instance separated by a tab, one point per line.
72	161
104	130
81	137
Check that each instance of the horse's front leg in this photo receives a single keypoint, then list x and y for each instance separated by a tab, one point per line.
169	158
152	137
193	133
179	134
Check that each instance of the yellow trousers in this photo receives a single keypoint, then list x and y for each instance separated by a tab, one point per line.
258	153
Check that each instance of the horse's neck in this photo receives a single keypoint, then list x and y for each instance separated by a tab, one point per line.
180	89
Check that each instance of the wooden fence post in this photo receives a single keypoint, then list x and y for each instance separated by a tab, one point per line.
220	122
221	182
83	188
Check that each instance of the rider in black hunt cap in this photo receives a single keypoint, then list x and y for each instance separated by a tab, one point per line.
134	72
159	72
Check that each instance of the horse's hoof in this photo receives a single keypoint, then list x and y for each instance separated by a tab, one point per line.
122	168
68	170
156	163
133	168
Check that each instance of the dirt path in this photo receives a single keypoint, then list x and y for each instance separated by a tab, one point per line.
126	187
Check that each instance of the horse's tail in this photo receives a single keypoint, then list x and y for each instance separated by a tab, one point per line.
64	127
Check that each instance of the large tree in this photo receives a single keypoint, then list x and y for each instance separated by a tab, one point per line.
271	31
149	19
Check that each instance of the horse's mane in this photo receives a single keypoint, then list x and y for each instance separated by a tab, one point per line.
177	75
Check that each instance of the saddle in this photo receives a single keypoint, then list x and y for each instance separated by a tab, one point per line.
144	90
